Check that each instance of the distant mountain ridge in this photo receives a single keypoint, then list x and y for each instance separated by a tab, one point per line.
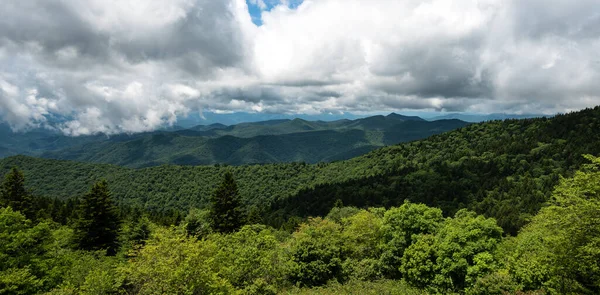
270	141
489	117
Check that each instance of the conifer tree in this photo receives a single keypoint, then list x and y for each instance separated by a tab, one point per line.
226	214
98	224
13	193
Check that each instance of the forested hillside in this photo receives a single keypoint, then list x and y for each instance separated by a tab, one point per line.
278	127
276	141
195	148
408	249
503	169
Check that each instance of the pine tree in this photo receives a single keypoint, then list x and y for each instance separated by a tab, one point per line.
226	214
13	193
98	224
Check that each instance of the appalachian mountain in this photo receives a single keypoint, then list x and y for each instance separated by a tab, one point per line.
503	169
272	141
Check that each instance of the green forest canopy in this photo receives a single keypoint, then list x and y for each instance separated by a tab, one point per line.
410	249
503	169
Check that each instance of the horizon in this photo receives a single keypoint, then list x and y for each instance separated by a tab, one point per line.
235	118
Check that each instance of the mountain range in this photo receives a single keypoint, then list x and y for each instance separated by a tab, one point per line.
272	141
503	169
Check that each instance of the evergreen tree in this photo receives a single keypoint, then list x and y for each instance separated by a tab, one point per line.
13	193
98	224
226	214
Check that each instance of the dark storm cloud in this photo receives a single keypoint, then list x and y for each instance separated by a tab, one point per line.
202	39
52	25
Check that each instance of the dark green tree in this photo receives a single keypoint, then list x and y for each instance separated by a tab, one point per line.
98	224
225	212
13	193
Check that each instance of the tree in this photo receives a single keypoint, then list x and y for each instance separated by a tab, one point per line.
22	253
362	236
98	224
252	259
13	193
560	249
401	226
456	256
317	250
197	223
226	214
174	263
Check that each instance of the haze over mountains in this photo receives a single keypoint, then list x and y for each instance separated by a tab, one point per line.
270	141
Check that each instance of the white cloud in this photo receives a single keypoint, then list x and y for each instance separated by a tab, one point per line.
129	66
259	3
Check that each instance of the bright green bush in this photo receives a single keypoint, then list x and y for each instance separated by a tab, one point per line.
385	287
22	253
400	228
172	263
456	256
317	252
252	260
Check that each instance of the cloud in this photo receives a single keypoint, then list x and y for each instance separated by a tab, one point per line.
129	66
114	66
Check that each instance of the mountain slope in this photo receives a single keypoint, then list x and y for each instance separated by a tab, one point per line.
38	140
320	141
503	169
285	126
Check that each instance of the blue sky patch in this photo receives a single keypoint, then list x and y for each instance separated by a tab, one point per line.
256	7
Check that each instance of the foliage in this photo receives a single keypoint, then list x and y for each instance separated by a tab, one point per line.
252	260
496	283
225	211
385	287
317	251
98	224
502	169
21	253
401	226
134	233
354	249
172	263
456	256
13	193
338	213
560	249
86	272
419	262
198	222
362	234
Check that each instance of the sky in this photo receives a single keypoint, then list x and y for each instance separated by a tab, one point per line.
117	66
